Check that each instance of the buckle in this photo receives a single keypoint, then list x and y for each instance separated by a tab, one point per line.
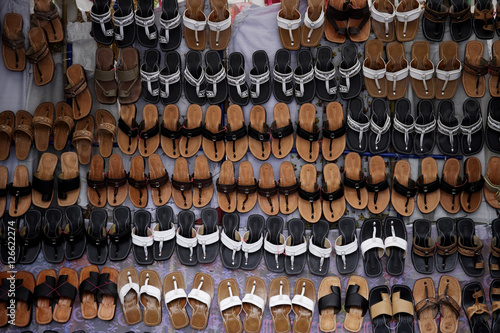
376	189
408	194
425	189
332	135
280	134
261	137
233	137
172	136
214	138
189	135
311	138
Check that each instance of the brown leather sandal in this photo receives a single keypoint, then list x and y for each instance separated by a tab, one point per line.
475	69
181	185
379	194
337	13
422	71
39	55
332	193
48	18
219	24
288	188
194	25
407	20
159	181
68	184
7	123
42	125
236	136
254	303
303	305
397	71
4	176
170	131
213	134
138	186
13	48
20	192
23	134
282	131
25	284
43	306
128	281
149	131
451	186
191	130
307	143
174	290
355	182
374	68
334	140
403	189
117	181
494	80
448	71
83	138
202	284
228	295
78	91
96	183
267	190
314	23
105	86
129	81
247	188
226	188
289	20
107	304
280	304
383	20
258	132
88	304
471	197
106	132
150	296
449	301
64	305
309	194
128	129
358	25
426	306
428	185
63	125
492	182
43	179
203	187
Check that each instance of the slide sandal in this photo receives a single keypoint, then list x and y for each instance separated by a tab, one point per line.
120	234
289	19
283	77
7	122
351	78
43	296
425	125
324	74
471	128
474	304
20	192
358	25
329	303
295	247
42	125
230	249
404	189
43	181
332	193
446	245
246	196
215	77
175	297
268	190
182	185
158	181
303	76
25	286
191	130
47	17
106	297
78	91
102	27
52	244
105	85
96	182
395	245
307	144
208	236
67	283
128	74
422	254
422	71
39	55
357	124
397	70
138	183
449	300
128	289
236	135
230	305
460	20
380	309
258	134
433	22
89	279
402	308
356	303
194	78
30	236
170	78
254	304
23	134
492	125
238	89
214	134
483	19
170	131
186	240
128	129
146	30
374	66
226	188
13	48
334	130
494	259
194	24
309	194
469	248
355	190
428	186
260	78
252	244
200	299
106	132
202	182
74	233
83	139
149	130
426	306
142	238
448	71
117	181
150	296
492	182
379	138
170	31
451	186
281	131
320	249
97	235
303	305
164	233
288	188
372	246
475	69
472	196
346	246
403	127
274	245
377	185
280	304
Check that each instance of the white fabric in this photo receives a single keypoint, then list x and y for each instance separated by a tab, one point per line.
208	239
189	243
289	25
394	77
320	252
312	25
250	247
381	17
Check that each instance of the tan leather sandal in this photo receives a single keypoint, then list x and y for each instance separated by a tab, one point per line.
280	304
13	48
282	131
428	185
200	299
475	69
63	125
307	143
259	141
219	25
159	181
267	190
449	301
83	138
68	184
170	131
448	71
128	129
42	125
247	188
226	188
314	23
383	15
214	145
39	55
138	188
334	140
203	187
43	181
20	192
451	186
374	68
174	294
23	134
194	25
4	177
332	193
181	185
407	20
254	303
309	194
494	80
289	20
7	123
426	306
191	130
96	182
236	136
128	288
106	132
128	74
116	181
230	305
403	189
355	182
149	131
48	18
472	196
397	71
105	86
288	188
379	194
303	305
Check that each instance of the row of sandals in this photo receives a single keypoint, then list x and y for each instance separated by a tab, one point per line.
141	298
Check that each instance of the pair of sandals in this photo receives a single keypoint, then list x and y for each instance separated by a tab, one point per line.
58	121
476	68
394	304
347	19
98	292
436	14
144	136
474	304
17	128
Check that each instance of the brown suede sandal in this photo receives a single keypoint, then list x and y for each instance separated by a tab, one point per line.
63	125
48	18
107	306
23	134
428	185
181	185
247	188
334	140
105	86
201	309
449	301
471	197
383	20
191	130
20	192
280	304
236	136
228	296
106	132
128	129
374	68
492	182
219	25
88	304
43	179
68	184
358	25
254	303
379	194
448	71
354	317
355	190
39	55
129	279
7	123
64	305
403	189
426	306
83	138
407	20
170	131
309	194
174	290
158	180
422	71
307	143
150	296
96	182
138	186
475	69
13	48
267	190
494	80
451	186
194	25
258	132
117	181
203	187
397	71
282	131
332	193
336	30
329	288
289	20
25	284
149	131
314	23
43	306
288	188
4	177
78	91
129	81
213	134
226	188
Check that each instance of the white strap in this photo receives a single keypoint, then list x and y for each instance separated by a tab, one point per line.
280	299
238	82
146	23
233	245
219	26
301	80
492	123
144	241
164	236
372	243
167	80
128	287
167	25
200	295
254	300
447	76
189	243
275	249
449	131
150	290
357	127
295	250
213	80
229	302
174	294
122	22
195	81
250	247
194	25
326	77
102	19
385	18
320	252
374	74
423	129
345	250
408	16
312	25
149	78
283	78
289	25
347	74
394	241
380	130
397	76
471	129
404	128
205	240
303	301
257	80
421	74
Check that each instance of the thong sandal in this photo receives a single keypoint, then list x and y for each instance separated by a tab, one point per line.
13	47
67	283
23	134
404	189
142	238
334	130
78	91
219	25
213	132
236	135
42	125
474	304
170	35
471	128
358	26
128	129
4	177
428	186
202	182
150	76
68	182
483	21
433	22
407	20
106	132
346	246
355	190
74	233
446	245
63	125
374	68
307	144
194	78
7	123
129	78
380	308
324	74
397	71
337	15
258	134
449	300
208	236
43	181
123	19
254	304
43	296
283	88
379	138
332	193
267	190
150	296
149	130
356	303
280	304
472	196
495	303
377	185
120	234
289	20
102	26
451	186
303	305
309	194
23	298
186	239
137	180
158	180
226	188
128	290
357	124
200	299
164	233
238	89
460	20
423	247
491	183
494	80
194	24
105	86
448	70
288	187
146	30
247	188
52	245
191	131
175	297
448	129
281	131
20	192
97	236
47	17
260	78
116	181
395	244
383	13
313	27
426	305
403	127
303	76
83	138
372	246
422	71
329	303
295	247
170	131
230	305
351	78
107	296
274	245
475	69
469	248
215	77
231	241
40	56
320	249
170	78
182	185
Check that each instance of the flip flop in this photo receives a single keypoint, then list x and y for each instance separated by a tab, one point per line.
63	125
403	189
78	90
492	183
309	194
428	186
158	181
303	305
128	288
289	20
202	182
226	188
472	196
351	78
48	18
89	279
337	15
170	78
4	177
52	245
164	233
283	85
142	238
30	236
194	78
425	126
260	78
355	190
186	240
150	296
446	245
307	144
379	138
492	126
106	132
138	183
39	55
215	76
43	296
182	185
448	71
356	303
402	308
25	285
407	20
236	79
20	192
149	130
474	304
380	308
214	134
383	13
403	127
274	245
128	74
252	244
97	235
324	74
43	181
7	123
460	20
208	236
67	283
422	71
105	85
170	30
449	300
102	26
329	303
174	294
397	71
254	304
13	47
395	245
116	181
170	131
471	128
483	19
267	190
200	299
313	26
120	234
303	76
191	130
346	246
246	196
23	134
74	232
451	186
475	69
83	138
146	30
469	248
258	134
150	74
194	24
320	249
288	188
230	249
42	125
236	135
372	246
280	304
96	182
423	247
281	131
107	296
374	66
377	185
128	129
357	124
295	247
332	193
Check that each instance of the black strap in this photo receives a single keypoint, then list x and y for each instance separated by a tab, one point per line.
157	183
4	192
200	184
173	135
64	289
4	290
122	235
130	132
217	136
89	285
23	294
282	132
428	187
450	189
405	191
44	187
306	135
190	132
116	183
138	184
19	191
358	14
148	134
332	196
45	290
67	185
377	187
312	197
356	184
354	299
334	134
227	190
259	136
182	186
476	186
236	135
333	14
331	300
106	287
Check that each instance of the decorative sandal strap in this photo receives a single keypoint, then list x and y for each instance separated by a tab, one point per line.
218	27
196	82
406	129
471	129
257	80
289	25
214	80
347	74
450	131
147	23
102	19
240	83
168	25
301	80
149	78
284	78
121	22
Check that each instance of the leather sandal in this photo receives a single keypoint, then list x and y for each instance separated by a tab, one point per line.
448	128
149	130
158	180
260	78
426	306
448	70
142	238
320	249
303	305
356	303
380	308
247	188
236	134
76	238
203	188
267	190
355	190
433	22
254	304
128	75
332	193
83	139
4	177
313	26
449	300
329	303
451	186
39	55
97	247
68	182
7	124
63	125
395	244
358	26
186	239
137	180
230	305
66	285
116	181
404	189
89	278
309	194
23	134
13	47
422	71
337	15
236	79
175	297
128	129
164	233
383	13
106	132
372	246
231	241
460	20
78	91
150	296
374	67
123	19
491	183
194	78
146	30
446	245
105	86
128	289
170	36
475	69
288	188
259	135
303	77
407	20
20	192
403	130
280	304
402	308
200	299
102	26
191	131
357	124
351	80
215	77
494	80
495	303
471	128
423	247
324	74
170	131
274	245
471	196
295	247
150	76
281	131
208	236
428	186
397	71
289	19
346	246
334	129
213	142
43	295
469	248
377	185
120	234
474	304
170	79
53	240
226	188
483	19
307	144
43	181
194	24
252	241
181	185
23	298
47	17
219	25
379	138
